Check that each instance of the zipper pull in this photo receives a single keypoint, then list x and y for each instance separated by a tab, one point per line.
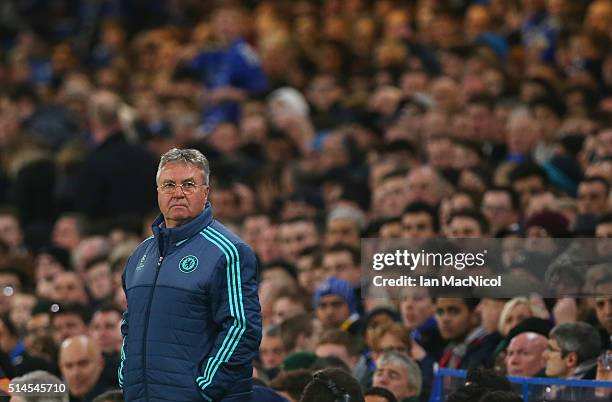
161	258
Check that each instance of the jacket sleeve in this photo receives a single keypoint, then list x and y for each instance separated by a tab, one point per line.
236	310
124	333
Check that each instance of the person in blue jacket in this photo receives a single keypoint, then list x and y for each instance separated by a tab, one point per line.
193	324
230	69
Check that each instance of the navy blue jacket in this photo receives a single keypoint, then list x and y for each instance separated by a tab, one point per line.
193	324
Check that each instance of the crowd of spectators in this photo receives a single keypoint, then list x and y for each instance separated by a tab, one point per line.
325	122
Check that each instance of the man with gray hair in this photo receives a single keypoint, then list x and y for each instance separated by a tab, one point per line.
344	226
193	325
116	177
399	374
572	351
57	391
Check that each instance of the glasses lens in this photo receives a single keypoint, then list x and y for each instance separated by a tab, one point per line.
189	187
168	188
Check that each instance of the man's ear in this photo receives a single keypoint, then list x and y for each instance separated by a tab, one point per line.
572	359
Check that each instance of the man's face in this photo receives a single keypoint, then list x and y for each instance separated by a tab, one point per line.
454	318
67	287
527	187
81	369
66	233
417	225
99	280
393	377
392	195
271	351
177	207
67	325
556	366
416	307
332	311
340	264
285	308
592	198
422	186
10	232
38	325
524	356
105	332
309	275
254	227
296	236
342	231
603	306
497	207
490	310
464	227
522	135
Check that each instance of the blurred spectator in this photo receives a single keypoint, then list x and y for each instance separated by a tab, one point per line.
335	304
98	280
69	320
336	343
572	351
117	177
524	356
104	329
69	230
69	288
400	375
82	367
13	346
330	385
231	71
272	351
459	323
11	232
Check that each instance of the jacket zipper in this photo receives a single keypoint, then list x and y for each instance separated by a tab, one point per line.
146	329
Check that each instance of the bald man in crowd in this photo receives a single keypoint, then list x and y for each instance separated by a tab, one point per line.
83	369
524	357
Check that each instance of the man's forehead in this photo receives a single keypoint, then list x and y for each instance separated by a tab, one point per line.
393	367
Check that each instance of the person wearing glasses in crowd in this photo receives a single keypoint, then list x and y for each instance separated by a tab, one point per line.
193	325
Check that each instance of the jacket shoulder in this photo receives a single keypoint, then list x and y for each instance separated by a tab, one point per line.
141	248
233	238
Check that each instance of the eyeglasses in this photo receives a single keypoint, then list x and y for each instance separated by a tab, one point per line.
187	187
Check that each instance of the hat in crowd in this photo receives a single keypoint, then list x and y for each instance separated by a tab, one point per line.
337	287
265	394
531	324
59	254
298	360
555	223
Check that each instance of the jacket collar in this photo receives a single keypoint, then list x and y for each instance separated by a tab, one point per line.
169	239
